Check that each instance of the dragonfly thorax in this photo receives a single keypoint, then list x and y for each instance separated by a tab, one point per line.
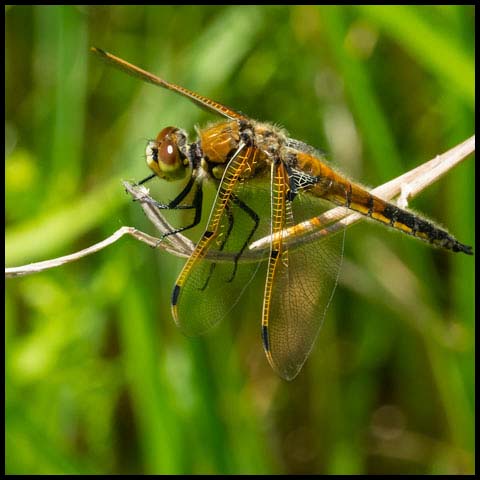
220	141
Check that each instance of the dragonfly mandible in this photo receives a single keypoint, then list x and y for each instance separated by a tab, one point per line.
266	182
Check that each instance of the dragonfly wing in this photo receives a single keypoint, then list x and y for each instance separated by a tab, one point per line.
206	290
200	100
299	285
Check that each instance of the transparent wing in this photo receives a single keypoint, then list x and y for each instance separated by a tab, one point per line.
300	282
206	291
199	100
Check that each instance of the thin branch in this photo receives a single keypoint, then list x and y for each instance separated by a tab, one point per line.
407	186
177	243
56	262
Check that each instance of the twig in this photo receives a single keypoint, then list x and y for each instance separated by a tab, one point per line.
407	185
177	243
56	262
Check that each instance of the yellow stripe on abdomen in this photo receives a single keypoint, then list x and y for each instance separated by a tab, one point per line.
340	191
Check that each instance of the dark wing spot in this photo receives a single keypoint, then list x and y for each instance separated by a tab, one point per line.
175	293
265	338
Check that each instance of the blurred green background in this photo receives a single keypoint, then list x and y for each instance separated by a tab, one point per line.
99	379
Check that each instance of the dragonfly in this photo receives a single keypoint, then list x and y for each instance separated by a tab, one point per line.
266	183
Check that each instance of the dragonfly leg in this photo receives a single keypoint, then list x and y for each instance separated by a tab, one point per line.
196	204
256	220
228	211
174	205
188	187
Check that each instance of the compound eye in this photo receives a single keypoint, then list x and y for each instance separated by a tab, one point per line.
168	153
163	154
167	132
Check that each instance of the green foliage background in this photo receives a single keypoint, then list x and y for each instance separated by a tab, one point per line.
98	378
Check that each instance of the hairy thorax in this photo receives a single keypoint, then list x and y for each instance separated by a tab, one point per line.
221	141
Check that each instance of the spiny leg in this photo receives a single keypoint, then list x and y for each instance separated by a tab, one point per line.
256	220
196	204
174	205
228	211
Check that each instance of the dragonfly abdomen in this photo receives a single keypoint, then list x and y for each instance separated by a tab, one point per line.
337	189
412	224
354	197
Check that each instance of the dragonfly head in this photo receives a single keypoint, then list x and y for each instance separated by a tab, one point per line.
164	155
